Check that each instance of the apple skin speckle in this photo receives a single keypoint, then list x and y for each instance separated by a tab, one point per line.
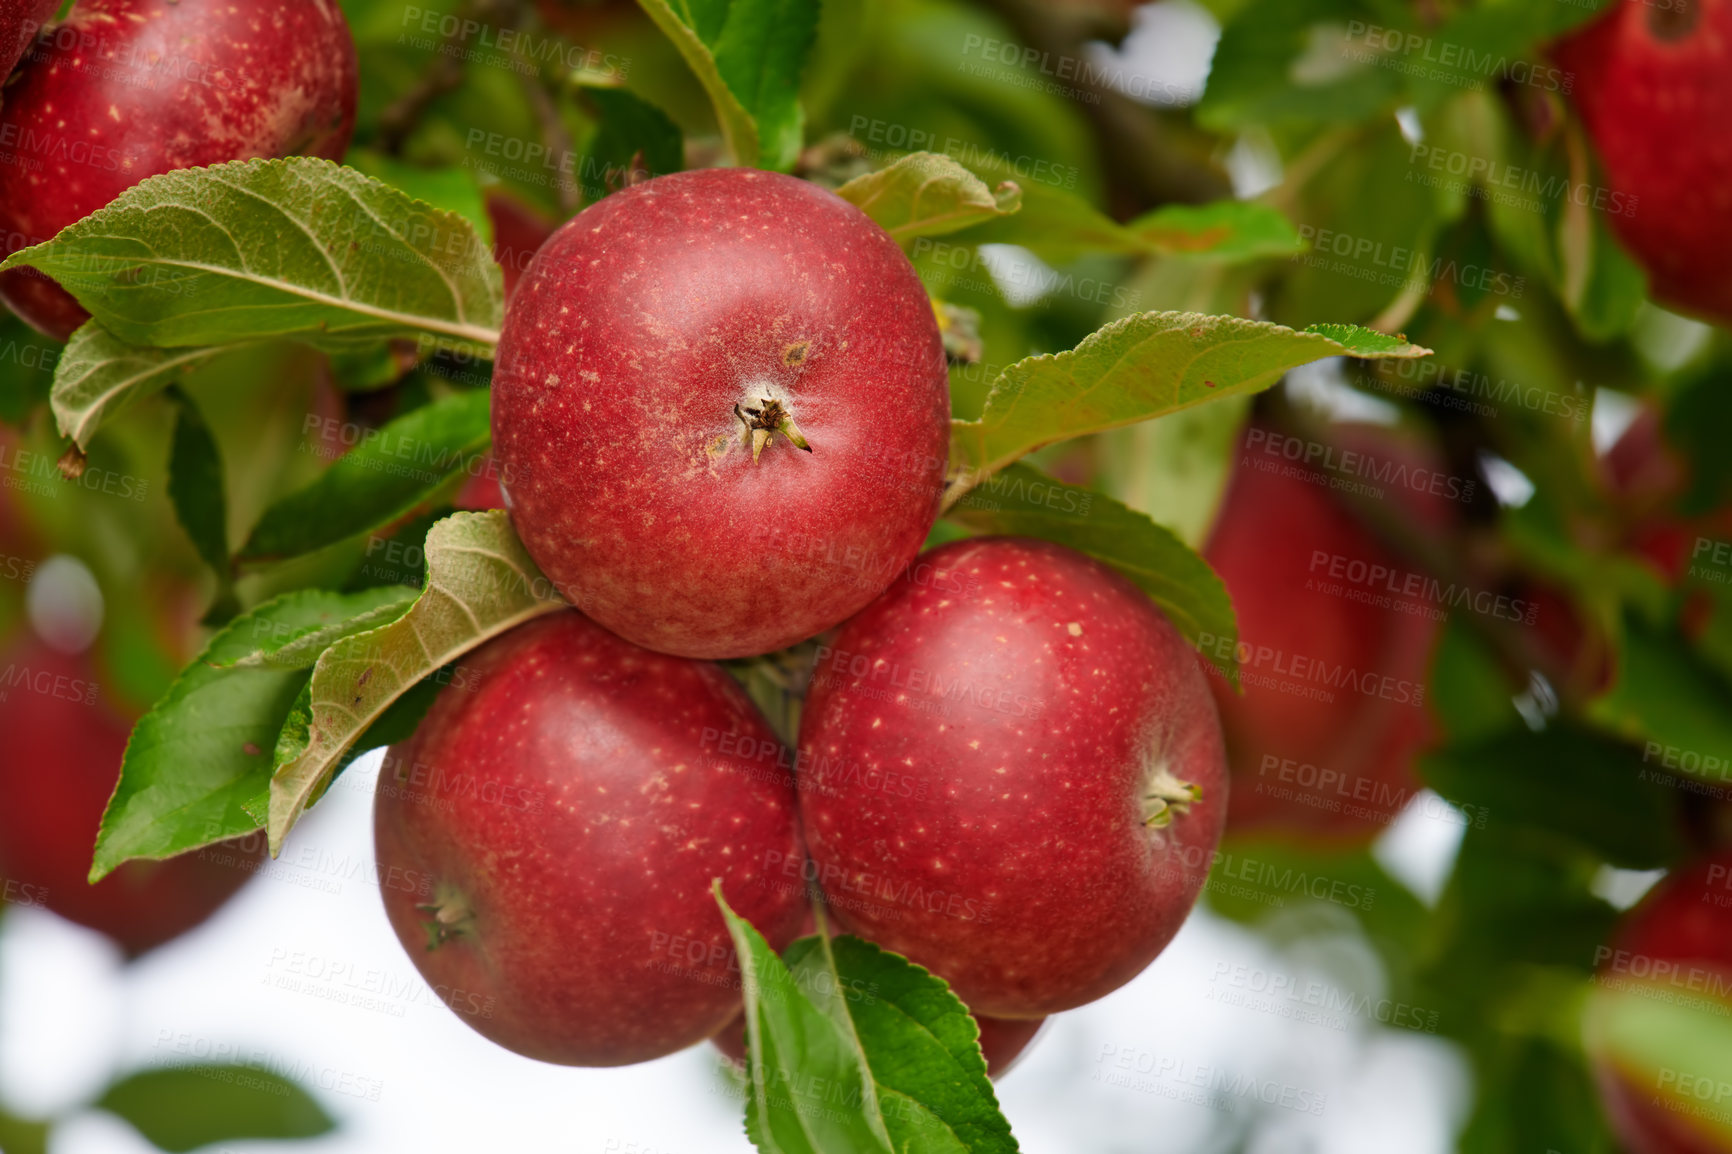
189	82
630	340
579	794
1653	84
978	807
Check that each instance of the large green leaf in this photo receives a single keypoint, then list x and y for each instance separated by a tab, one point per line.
480	583
389	474
748	55
1141	367
99	374
202	756
275	248
926	194
921	1046
181	1108
851	1050
1023	501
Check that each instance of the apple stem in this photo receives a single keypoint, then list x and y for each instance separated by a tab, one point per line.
452	917
1166	797
764	422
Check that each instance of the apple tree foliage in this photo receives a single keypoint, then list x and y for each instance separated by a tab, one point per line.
341	584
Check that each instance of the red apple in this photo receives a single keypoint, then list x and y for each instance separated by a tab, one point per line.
1335	636
129	89
519	231
1680	936
721	411
1011	773
20	20
58	764
548	839
1651	83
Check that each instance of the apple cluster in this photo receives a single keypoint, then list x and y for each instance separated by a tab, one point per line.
721	411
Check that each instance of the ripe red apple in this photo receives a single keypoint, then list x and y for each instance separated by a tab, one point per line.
1002	1041
721	410
20	20
1680	935
1011	773
1335	633
1651	83
58	764
548	839
129	89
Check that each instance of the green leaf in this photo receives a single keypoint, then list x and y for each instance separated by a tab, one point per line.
389	474
1022	501
99	374
748	55
761	53
926	194
195	486
1283	61
921	1046
181	1108
852	1049
792	1049
276	248
1227	230
1140	367
631	129
1676	1051
300	649
1563	782
480	583
202	754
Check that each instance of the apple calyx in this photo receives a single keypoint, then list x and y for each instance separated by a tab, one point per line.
1167	796
765	421
452	918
